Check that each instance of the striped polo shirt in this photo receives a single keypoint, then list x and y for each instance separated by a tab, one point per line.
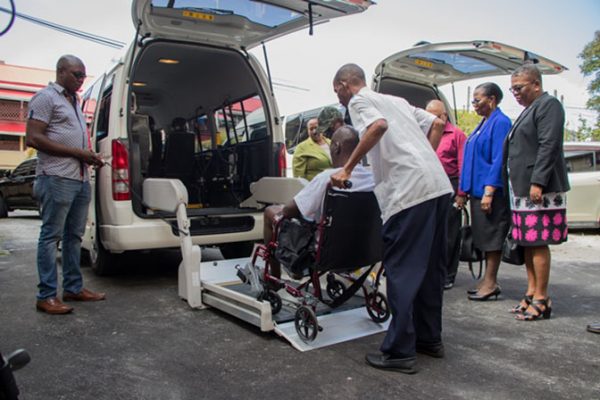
66	125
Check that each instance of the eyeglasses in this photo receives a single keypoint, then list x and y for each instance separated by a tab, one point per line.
79	75
517	88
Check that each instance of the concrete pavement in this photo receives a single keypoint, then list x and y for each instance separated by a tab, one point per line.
145	343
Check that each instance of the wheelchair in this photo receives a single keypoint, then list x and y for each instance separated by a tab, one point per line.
342	249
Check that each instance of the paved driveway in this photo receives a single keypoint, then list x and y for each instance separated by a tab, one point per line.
145	343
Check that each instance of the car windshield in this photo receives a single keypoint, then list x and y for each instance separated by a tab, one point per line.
260	13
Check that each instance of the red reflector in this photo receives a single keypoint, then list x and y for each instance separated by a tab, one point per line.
282	160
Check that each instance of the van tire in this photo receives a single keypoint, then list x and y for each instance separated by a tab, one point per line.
237	249
102	262
3	208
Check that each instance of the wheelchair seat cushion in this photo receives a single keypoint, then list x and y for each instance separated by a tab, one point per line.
295	246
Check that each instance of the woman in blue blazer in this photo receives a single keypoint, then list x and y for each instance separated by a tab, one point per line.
481	179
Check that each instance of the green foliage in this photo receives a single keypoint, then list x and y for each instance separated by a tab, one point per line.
467	121
591	67
584	132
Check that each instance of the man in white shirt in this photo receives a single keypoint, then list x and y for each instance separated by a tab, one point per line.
308	203
413	192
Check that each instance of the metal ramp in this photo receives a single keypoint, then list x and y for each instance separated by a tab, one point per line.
216	284
222	289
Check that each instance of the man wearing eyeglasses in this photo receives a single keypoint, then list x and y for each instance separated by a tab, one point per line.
57	129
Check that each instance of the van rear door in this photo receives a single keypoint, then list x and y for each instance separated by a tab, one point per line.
236	23
436	64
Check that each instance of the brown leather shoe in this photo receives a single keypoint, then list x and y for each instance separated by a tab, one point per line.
84	295
53	306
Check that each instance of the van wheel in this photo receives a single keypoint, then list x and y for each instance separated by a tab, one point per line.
103	262
3	208
237	249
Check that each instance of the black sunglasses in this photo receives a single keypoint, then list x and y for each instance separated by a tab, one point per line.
79	75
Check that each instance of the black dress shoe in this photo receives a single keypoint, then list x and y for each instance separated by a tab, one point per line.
435	350
485	297
448	285
594	328
385	361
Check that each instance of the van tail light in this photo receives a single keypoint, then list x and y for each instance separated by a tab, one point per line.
120	171
282	161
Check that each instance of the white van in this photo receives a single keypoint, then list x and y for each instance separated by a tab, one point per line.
189	61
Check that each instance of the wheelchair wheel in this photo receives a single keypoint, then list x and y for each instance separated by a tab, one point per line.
274	299
306	324
378	307
335	288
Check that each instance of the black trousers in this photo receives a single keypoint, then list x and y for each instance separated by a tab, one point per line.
454	224
415	247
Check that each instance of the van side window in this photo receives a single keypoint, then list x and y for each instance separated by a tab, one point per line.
103	115
582	160
90	104
240	121
292	128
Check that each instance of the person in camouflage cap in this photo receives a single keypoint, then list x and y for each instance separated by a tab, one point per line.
330	119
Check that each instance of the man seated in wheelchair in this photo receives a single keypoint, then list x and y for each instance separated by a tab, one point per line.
307	205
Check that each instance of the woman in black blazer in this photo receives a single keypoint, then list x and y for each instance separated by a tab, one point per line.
538	183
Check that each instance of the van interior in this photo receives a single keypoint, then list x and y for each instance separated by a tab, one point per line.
189	120
416	94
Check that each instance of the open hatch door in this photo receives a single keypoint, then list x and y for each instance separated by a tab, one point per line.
235	23
441	63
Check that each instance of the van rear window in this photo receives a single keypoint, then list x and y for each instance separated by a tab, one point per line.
260	13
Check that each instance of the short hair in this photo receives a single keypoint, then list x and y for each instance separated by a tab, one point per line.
351	73
66	60
529	70
491	89
348	138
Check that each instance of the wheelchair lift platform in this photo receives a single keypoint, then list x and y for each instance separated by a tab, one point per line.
223	290
216	283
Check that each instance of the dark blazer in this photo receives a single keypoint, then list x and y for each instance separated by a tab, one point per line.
533	150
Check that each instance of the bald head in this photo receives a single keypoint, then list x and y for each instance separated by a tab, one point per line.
351	74
437	108
343	142
348	81
68	60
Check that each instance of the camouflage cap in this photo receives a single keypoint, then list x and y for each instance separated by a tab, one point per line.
326	118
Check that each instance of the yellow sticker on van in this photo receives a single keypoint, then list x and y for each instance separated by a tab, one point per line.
197	15
423	63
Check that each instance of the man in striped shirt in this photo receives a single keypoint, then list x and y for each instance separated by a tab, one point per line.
56	128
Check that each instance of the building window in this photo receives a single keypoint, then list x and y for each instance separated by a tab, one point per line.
9	142
11	110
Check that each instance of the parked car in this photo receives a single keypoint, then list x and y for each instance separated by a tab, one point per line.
190	60
583	200
16	188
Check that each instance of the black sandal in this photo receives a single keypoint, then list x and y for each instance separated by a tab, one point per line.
543	314
520	308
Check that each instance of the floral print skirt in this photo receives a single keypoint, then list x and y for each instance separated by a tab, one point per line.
539	224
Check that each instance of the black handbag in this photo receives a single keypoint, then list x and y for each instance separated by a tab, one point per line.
512	253
468	252
294	250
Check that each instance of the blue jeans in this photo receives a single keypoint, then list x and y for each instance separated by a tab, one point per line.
64	211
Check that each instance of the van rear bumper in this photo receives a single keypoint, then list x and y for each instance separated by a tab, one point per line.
157	234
